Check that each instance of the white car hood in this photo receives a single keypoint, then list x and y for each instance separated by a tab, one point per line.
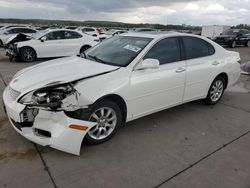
57	71
11	38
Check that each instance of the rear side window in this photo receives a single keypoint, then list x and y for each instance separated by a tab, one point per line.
72	35
166	51
196	48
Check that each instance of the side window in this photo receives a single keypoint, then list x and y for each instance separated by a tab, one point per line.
28	31
72	35
12	31
166	51
56	35
90	30
196	48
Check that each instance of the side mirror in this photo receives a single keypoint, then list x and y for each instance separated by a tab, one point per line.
43	39
148	64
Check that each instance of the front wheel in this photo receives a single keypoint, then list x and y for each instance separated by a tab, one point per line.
27	54
107	116
248	44
216	91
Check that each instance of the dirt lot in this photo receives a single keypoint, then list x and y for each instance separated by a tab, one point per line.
189	146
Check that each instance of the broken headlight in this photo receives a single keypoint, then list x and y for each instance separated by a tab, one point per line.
48	97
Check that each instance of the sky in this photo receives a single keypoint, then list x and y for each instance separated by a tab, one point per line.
196	12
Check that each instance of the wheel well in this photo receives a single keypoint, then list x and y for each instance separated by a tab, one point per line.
225	76
29	47
85	46
119	101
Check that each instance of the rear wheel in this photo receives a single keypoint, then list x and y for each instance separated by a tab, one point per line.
234	44
107	116
216	91
27	54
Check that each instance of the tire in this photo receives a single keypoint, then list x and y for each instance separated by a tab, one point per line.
105	129
216	91
247	43
1	42
84	48
233	44
27	54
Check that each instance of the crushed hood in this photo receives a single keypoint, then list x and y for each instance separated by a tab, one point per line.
57	71
18	38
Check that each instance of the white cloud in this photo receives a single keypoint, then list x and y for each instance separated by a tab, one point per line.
195	12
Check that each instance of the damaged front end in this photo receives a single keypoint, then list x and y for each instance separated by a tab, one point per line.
11	45
50	116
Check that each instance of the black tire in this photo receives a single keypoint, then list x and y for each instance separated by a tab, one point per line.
95	109
247	43
84	48
1	42
211	99
27	54
233	44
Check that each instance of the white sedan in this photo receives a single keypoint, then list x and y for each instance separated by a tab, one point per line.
52	43
62	102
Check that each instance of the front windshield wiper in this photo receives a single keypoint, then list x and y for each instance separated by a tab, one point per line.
98	59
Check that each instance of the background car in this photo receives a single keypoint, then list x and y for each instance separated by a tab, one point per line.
111	33
52	43
5	34
234	37
91	30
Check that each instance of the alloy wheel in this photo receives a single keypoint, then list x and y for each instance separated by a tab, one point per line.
28	54
106	120
216	90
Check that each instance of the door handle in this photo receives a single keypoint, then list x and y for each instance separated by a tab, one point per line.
180	69
216	63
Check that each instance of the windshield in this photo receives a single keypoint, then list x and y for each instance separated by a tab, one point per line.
118	51
231	32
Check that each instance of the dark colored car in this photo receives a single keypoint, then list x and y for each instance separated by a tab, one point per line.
234	37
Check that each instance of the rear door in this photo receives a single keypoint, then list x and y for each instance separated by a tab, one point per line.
201	67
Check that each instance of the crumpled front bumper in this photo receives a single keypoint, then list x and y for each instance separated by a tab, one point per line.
12	51
65	133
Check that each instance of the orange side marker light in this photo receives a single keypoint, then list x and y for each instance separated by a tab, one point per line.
78	127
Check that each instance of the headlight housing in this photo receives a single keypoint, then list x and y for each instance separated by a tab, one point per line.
50	97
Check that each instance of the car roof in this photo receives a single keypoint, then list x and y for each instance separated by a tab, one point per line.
157	35
19	27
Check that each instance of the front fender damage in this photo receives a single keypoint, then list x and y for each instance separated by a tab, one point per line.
64	135
63	128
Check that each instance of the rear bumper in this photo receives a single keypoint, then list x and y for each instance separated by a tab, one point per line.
56	125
